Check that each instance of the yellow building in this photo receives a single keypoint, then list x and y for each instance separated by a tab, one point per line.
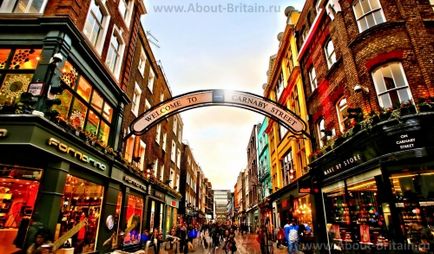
288	154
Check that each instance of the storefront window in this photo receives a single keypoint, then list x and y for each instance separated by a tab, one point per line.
161	217
117	216
16	72
414	194
81	202
133	216
18	191
303	211
83	106
354	214
152	218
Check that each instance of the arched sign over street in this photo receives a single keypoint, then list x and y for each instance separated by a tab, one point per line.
217	97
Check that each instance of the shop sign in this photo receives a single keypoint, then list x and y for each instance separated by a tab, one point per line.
405	141
159	195
64	148
36	88
171	202
346	163
304	190
134	183
3	133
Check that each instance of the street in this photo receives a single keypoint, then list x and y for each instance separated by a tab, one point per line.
245	244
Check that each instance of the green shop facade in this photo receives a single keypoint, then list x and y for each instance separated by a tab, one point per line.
377	187
62	171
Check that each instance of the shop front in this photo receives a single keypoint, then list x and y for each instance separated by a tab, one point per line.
19	188
379	195
171	213
49	180
156	204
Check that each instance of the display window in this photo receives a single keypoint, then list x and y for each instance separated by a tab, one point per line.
414	200
353	212
152	217
81	202
18	191
83	106
17	67
303	212
168	220
133	217
117	216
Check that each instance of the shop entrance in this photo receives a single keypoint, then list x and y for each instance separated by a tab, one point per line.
18	191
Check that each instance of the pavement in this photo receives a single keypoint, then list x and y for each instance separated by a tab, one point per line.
246	244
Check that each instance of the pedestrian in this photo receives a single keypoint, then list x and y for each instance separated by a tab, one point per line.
230	246
291	235
41	239
280	237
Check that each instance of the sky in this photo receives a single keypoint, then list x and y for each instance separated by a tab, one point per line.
219	44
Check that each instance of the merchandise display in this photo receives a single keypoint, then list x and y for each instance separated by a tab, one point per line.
82	200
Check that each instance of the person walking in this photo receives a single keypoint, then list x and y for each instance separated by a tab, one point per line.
291	235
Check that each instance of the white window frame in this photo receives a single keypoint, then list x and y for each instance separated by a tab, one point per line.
312	78
151	79
280	86
363	15
320	125
180	134
162	172
99	44
158	133
8	6
128	11
129	148
142	62
330	53
400	82
172	178
178	158
147	104
164	141
161	97
142	155
340	109
432	4
173	152
175	125
116	69
156	168
135	102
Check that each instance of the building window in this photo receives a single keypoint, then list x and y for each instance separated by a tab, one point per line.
135	102
330	53
432	4
180	134
288	172
368	13
96	25
178	159
162	172
83	106
280	86
321	132
114	54
391	85
173	152
17	67
155	168
147	104
175	125
135	151
312	79
161	97
23	6
341	109
142	62
164	141
133	218
158	134
84	199
151	78
172	178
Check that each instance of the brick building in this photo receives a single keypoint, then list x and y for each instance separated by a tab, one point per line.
368	75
